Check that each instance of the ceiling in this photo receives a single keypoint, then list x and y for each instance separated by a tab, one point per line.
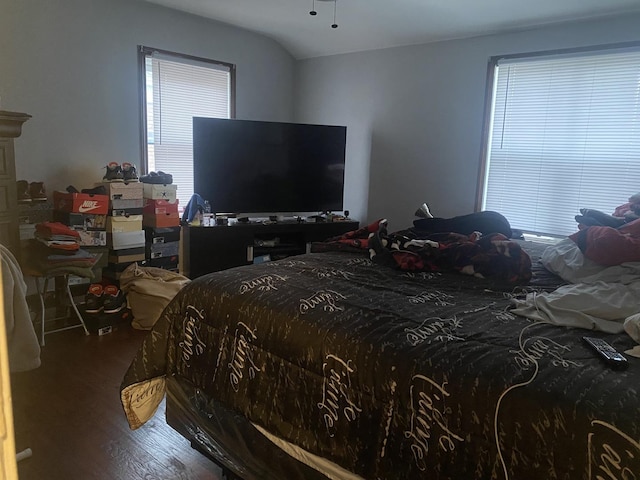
374	24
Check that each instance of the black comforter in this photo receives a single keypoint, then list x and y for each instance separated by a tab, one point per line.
396	375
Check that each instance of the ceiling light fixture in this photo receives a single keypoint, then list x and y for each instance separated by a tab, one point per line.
313	12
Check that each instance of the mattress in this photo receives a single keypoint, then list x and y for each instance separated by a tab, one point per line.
386	374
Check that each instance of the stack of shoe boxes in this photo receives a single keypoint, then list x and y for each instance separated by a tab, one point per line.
125	236
85	213
162	226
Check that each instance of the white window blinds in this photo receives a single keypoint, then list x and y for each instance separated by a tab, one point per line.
564	135
177	89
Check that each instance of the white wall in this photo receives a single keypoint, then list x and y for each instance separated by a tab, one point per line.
72	64
414	114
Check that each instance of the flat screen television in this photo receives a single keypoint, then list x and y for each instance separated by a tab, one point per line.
250	167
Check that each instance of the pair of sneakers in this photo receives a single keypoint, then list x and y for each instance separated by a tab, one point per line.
107	299
126	172
31	192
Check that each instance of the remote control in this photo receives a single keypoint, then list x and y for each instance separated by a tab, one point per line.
609	354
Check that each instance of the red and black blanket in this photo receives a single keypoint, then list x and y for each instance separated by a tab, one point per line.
492	255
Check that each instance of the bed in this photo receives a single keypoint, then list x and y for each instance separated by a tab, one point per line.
330	365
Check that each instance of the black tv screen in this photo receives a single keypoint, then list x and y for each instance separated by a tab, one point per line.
254	167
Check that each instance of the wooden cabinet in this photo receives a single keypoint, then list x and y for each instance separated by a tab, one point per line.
10	128
209	249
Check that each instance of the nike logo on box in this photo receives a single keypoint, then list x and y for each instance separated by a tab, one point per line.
88	205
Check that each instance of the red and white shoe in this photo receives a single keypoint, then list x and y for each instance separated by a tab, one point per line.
114	300
93	298
113	173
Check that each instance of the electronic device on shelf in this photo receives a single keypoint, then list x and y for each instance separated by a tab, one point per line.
275	168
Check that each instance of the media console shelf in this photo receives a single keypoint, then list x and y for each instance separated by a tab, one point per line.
209	249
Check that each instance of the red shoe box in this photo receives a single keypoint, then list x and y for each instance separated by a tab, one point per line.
164	220
160	207
81	203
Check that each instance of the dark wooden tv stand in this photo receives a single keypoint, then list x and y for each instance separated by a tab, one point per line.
209	249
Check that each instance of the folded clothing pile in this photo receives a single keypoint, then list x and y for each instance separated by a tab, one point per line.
56	250
57	236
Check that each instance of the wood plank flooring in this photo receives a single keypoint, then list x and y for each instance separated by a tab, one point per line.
68	412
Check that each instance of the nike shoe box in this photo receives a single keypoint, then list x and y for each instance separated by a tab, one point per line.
124	212
159	250
119	224
81	203
162	234
160	207
131	206
78	221
105	323
167	263
159	221
122	240
123	190
160	192
92	238
127	255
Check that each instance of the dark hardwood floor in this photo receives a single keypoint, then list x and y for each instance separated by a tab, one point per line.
68	412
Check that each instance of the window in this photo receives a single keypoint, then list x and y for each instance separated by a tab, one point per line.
175	89
564	134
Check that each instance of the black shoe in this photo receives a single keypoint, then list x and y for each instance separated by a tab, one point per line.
129	172
423	211
72	189
23	191
93	299
99	190
114	300
114	173
37	192
158	178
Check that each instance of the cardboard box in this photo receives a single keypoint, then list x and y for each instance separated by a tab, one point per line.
85	221
126	204
160	192
81	203
158	221
27	231
162	234
124	224
158	250
160	207
127	255
168	263
125	212
122	240
123	190
92	238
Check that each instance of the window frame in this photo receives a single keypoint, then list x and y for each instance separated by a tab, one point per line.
490	93
143	53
